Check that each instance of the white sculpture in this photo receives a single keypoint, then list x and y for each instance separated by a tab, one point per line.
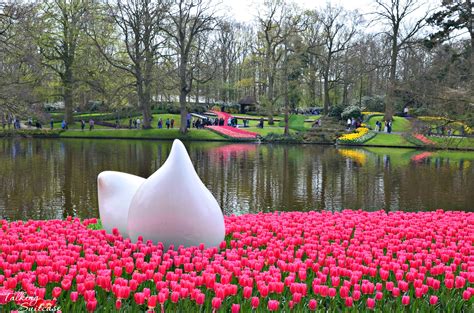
172	206
115	192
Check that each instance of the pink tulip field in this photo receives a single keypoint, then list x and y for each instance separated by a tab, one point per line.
287	262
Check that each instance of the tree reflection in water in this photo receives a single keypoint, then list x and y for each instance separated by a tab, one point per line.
56	178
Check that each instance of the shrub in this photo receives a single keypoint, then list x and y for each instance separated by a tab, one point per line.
351	111
373	103
336	111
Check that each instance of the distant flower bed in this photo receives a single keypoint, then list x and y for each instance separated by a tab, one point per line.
372	113
423	139
268	262
367	115
360	136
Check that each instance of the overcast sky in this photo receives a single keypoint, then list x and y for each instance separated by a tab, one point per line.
246	10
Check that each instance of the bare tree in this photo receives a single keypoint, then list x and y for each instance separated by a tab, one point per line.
401	30
139	24
64	22
338	28
20	70
187	20
270	23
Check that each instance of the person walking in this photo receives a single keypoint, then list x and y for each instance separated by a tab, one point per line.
138	123
91	124
172	122
167	123
51	123
349	123
83	125
160	123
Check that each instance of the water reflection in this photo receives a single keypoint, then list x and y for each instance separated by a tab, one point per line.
56	178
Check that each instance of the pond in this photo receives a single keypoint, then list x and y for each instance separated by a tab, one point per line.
49	178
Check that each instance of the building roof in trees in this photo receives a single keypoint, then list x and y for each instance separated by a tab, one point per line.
247	100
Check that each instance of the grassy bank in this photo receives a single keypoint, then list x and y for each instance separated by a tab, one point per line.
400	124
389	140
165	134
453	142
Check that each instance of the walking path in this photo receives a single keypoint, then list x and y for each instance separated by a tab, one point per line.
230	131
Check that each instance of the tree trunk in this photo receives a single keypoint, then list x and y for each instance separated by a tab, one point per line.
143	103
183	92
327	101
68	81
285	90
270	99
470	6
68	102
390	99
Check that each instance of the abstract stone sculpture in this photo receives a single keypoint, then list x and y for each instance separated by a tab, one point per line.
173	206
115	192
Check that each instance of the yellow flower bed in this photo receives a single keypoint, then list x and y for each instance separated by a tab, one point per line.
359	132
372	113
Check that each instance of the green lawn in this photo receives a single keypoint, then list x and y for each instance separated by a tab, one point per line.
280	116
194	134
267	130
76	125
400	124
154	123
296	122
384	139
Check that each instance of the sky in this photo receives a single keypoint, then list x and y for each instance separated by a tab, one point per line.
246	10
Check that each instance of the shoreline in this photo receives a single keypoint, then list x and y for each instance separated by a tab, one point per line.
67	135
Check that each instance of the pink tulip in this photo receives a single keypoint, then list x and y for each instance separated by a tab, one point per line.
56	292
433	300
312	304
406	300
255	301
216	303
235	308
74	295
91	305
371	303
273	305
466	295
175	297
348	302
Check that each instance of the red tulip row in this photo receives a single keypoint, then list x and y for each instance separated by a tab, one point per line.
423	139
269	262
233	132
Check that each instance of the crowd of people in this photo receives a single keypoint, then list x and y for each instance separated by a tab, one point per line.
387	126
353	123
9	121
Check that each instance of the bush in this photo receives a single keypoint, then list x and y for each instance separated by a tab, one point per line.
292	138
351	111
373	103
336	111
421	111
